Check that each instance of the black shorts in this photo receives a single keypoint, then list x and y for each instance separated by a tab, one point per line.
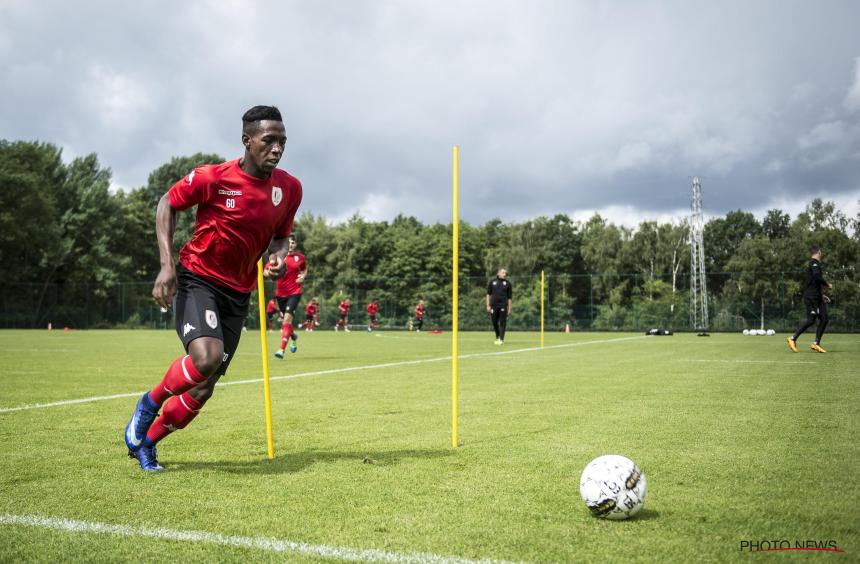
373	319
288	304
206	309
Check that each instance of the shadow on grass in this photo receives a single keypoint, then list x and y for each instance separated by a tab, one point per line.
298	461
646	515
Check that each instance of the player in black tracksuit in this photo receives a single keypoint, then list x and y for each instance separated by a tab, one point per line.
815	301
499	295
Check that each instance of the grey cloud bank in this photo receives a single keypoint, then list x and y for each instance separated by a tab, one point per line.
557	106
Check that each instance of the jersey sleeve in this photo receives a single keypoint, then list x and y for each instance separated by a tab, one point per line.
285	227
489	287
510	291
193	189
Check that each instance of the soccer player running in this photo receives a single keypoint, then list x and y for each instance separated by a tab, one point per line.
815	301
372	308
419	316
271	313
499	301
344	315
288	291
311	313
244	208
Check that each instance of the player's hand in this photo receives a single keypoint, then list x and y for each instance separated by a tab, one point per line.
829	286
489	309
826	299
275	268
165	287
300	278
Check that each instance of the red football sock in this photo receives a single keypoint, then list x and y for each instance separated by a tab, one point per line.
178	413
180	377
286	332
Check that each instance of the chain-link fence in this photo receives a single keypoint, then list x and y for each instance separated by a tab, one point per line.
613	302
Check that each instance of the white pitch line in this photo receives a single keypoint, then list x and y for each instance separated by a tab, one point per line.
257	543
740	361
320	373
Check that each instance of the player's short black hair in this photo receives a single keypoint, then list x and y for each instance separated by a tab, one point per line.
814	249
260	113
291	236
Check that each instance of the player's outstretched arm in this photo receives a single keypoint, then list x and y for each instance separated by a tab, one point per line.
278	249
165	226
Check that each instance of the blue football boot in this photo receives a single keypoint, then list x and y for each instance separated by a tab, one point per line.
147	458
141	420
294	343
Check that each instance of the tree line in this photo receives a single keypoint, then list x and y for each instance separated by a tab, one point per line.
74	249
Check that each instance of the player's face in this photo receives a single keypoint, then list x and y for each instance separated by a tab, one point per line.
502	274
265	144
292	245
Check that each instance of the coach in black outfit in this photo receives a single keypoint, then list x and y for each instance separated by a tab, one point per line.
499	295
815	301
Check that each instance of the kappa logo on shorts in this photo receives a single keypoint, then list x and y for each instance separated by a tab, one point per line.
277	195
211	319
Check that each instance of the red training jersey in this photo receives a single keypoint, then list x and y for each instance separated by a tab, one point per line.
344	308
270	307
419	311
237	216
372	308
312	309
288	285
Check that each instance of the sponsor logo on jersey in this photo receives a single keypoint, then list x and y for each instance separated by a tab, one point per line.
190	177
188	328
211	319
229	192
277	195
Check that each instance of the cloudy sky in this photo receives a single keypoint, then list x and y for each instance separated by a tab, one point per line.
569	106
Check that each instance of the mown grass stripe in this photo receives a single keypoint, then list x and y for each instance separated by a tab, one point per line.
319	373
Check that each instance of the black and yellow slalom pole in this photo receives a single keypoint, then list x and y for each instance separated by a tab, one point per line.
264	348
455	294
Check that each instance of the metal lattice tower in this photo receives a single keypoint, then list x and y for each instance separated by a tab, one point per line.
698	286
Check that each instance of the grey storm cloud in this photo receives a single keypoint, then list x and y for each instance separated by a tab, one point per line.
558	107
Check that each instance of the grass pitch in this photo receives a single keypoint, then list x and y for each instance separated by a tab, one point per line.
739	439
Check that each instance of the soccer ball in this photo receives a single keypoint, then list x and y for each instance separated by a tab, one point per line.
746	331
762	332
771	332
613	487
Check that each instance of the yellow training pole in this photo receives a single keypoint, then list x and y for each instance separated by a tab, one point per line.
541	307
261	296
455	290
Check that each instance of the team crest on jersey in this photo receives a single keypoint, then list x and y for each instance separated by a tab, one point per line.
277	195
296	258
191	177
211	319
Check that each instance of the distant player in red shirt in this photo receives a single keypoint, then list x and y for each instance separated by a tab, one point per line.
245	207
288	291
372	308
311	313
419	316
344	315
271	313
